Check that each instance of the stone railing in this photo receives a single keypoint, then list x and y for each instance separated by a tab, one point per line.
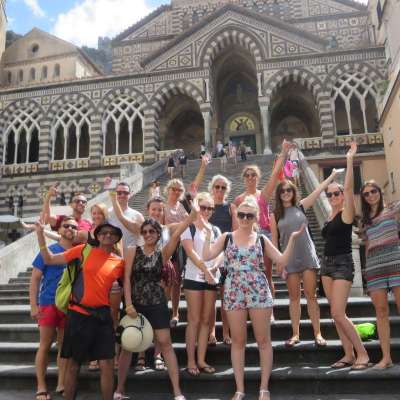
17	256
322	211
361	139
19	169
109	161
163	154
65	165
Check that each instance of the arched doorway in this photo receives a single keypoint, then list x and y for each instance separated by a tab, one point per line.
182	125
236	98
293	114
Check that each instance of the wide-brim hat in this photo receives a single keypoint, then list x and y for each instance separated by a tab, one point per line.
136	333
116	229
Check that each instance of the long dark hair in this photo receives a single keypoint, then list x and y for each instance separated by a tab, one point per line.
154	224
279	211
366	218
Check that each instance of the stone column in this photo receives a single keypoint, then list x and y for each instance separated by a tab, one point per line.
96	141
151	135
207	128
45	145
265	123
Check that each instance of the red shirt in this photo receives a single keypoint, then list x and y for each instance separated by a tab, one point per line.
100	271
83	224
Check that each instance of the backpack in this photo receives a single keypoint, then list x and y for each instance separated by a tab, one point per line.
182	256
66	284
366	331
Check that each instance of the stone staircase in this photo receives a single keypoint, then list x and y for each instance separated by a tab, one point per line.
303	369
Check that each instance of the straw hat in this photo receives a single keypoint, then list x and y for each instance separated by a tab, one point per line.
136	334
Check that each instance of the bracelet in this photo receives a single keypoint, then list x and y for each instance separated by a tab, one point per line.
42	247
128	307
113	193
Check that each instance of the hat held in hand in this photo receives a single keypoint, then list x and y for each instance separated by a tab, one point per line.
135	334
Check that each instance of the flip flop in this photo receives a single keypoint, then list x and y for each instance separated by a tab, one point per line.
228	341
140	364
212	341
341	364
159	364
208	369
291	342
194	371
386	366
320	342
42	396
360	366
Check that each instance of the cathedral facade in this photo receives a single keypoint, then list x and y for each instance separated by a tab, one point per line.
193	72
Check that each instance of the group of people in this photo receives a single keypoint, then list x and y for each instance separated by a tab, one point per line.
205	245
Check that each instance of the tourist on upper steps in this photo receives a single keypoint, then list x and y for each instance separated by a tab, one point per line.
379	226
225	218
154	189
175	212
246	289
337	271
200	286
78	204
182	159
89	331
303	265
51	321
171	166
144	293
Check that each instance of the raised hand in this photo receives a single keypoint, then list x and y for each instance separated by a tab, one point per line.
194	212
352	151
286	146
107	182
53	190
296	234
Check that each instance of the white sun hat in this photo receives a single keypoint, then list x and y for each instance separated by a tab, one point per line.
136	333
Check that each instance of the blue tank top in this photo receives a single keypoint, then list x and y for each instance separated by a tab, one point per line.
222	217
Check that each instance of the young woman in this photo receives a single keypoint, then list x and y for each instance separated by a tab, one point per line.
200	286
380	229
247	290
224	217
171	166
337	272
288	216
144	293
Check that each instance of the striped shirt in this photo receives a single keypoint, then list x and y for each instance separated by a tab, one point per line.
384	230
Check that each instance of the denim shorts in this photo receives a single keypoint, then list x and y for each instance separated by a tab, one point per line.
340	266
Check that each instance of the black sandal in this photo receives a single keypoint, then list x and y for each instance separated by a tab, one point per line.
140	364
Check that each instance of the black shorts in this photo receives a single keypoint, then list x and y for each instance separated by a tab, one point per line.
87	338
338	267
194	285
158	315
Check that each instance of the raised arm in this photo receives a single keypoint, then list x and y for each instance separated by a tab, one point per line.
129	258
282	259
269	188
48	218
309	201
132	226
235	223
170	247
48	257
349	210
198	180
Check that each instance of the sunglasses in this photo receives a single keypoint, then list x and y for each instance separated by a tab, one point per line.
148	232
287	190
70	226
122	193
177	190
331	194
250	175
205	208
248	216
107	233
80	201
372	191
219	187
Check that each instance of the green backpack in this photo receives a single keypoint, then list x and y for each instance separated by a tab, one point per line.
367	331
68	278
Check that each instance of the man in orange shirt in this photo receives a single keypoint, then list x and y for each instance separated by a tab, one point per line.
89	333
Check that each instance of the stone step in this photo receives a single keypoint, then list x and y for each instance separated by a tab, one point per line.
280	330
307	379
304	352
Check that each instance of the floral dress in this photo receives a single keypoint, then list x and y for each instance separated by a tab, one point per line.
246	285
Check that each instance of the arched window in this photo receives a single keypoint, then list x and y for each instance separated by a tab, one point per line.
22	136
32	74
354	104
122	127
20	75
44	72
57	71
70	131
9	77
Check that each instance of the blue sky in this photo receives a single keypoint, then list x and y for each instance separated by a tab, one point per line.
78	21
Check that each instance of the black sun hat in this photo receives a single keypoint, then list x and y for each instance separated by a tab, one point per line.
116	229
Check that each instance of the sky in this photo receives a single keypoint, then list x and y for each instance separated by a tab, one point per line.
79	21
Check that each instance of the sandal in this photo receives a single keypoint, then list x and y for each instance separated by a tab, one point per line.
180	397
227	341
341	364
212	341
264	392
320	342
140	364
42	396
292	342
120	396
382	367
193	371
360	366
207	369
238	396
93	366
159	364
